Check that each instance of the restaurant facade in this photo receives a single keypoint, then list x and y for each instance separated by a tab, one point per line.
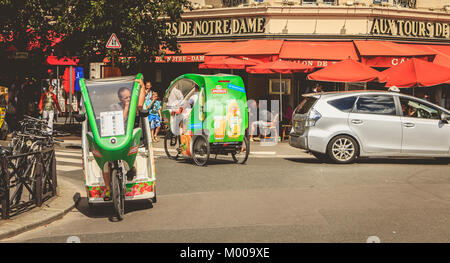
380	34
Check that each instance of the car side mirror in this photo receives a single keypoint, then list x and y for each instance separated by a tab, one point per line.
80	117
144	113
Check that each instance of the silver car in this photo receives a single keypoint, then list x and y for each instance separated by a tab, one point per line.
342	126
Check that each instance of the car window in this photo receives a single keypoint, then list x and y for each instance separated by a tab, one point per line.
415	109
343	104
305	105
376	104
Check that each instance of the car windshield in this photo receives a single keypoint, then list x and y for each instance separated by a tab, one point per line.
110	100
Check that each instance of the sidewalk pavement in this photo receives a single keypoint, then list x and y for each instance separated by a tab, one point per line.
55	208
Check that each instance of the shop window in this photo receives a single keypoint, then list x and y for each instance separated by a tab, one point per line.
406	3
355	86
379	2
232	3
308	2
277	87
329	2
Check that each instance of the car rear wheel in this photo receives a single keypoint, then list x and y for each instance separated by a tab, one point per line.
342	149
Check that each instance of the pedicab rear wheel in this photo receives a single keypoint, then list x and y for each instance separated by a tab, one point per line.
241	156
171	143
118	195
200	151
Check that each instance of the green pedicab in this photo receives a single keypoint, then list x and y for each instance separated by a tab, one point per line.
206	114
111	143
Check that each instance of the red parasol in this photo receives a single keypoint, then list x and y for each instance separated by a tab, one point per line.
345	71
415	73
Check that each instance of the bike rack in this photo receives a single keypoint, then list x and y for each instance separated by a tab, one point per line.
33	173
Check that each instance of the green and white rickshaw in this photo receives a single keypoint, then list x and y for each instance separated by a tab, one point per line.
112	143
206	114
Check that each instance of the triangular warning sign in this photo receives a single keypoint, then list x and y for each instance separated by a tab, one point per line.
113	42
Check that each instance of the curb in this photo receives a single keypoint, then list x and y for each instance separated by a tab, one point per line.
54	209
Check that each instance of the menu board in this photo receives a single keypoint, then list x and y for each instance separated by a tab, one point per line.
112	123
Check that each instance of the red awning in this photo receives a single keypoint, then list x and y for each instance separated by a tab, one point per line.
249	48
415	73
442	53
54	61
228	63
345	71
280	66
318	54
262	50
388	54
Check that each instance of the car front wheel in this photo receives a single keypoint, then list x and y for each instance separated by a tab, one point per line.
343	149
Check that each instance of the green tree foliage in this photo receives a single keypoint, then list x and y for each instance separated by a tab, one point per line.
86	25
26	24
140	26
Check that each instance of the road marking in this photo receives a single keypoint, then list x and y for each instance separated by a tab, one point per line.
158	149
69	160
266	153
68	168
67	152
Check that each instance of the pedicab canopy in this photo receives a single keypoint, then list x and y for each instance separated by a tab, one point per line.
111	105
213	105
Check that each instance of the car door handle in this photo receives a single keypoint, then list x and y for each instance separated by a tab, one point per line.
357	121
409	125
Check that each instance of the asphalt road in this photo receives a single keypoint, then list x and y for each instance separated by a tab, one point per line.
273	200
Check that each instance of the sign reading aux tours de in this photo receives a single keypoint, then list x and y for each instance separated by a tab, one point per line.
234	26
410	28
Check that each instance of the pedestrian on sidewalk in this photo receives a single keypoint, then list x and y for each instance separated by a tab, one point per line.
148	92
154	116
47	106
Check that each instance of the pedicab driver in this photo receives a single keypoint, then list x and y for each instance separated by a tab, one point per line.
183	107
124	96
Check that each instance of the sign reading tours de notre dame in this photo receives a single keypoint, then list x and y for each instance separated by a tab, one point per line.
408	28
235	26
